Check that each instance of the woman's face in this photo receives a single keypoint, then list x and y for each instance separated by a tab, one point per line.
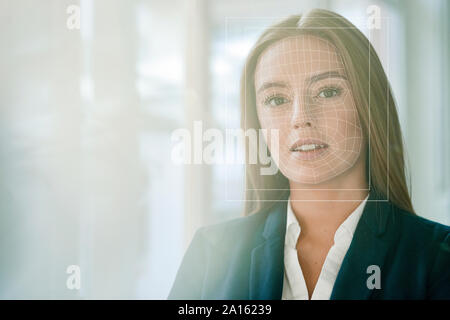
302	91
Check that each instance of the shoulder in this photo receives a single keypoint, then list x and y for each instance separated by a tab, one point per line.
215	252
417	228
426	246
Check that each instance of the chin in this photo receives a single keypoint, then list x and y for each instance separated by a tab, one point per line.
311	181
308	178
314	176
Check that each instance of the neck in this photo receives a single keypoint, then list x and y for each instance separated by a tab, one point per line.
321	208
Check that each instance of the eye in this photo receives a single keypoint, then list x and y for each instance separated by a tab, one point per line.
274	101
328	93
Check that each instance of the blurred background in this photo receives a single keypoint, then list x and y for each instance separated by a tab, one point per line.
87	114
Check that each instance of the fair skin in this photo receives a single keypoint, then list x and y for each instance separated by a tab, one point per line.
303	92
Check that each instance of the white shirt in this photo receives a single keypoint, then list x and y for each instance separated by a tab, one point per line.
294	285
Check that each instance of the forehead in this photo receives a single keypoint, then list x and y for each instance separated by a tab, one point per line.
297	57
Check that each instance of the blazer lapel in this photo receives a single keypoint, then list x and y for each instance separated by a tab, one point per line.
267	267
369	246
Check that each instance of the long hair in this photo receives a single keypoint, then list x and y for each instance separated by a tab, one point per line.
374	102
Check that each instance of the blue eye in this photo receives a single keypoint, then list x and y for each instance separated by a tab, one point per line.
274	101
328	93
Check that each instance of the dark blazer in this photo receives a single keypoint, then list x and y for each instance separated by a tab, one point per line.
244	258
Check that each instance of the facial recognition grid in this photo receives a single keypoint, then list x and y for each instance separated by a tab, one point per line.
304	93
353	143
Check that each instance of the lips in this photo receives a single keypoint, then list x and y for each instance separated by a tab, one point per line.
308	145
309	149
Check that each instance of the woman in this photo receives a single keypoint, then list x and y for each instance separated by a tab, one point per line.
336	221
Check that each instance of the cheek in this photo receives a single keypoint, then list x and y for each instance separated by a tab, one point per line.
347	124
341	122
270	120
347	133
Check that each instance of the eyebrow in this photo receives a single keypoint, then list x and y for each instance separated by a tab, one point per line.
311	79
268	85
324	75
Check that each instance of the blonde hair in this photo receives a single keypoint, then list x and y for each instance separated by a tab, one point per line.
370	88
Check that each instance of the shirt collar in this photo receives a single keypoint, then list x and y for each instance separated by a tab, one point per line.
346	229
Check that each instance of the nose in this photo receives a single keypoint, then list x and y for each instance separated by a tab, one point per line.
301	118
